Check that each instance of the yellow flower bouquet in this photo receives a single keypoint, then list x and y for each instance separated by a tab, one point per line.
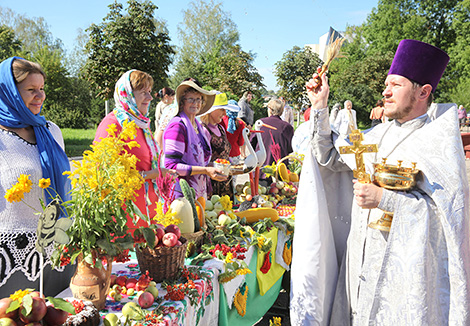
104	185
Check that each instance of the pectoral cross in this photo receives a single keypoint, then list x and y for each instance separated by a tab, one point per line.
356	137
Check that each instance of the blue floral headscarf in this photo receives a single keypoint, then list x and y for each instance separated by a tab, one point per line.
15	114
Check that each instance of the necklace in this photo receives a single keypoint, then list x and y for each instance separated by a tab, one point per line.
195	128
396	145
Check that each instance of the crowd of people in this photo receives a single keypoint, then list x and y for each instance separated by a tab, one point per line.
344	272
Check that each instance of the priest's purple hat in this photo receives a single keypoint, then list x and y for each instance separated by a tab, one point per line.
420	62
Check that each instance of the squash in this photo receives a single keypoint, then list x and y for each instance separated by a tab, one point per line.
189	194
283	173
294	177
202	201
184	212
253	215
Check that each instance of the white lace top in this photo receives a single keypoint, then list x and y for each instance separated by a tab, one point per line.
18	221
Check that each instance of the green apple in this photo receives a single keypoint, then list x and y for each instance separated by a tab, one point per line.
111	320
153	290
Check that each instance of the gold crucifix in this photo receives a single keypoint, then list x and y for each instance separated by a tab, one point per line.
356	137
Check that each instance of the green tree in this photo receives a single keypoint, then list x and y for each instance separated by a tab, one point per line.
126	41
33	32
206	28
361	82
9	44
233	72
459	66
293	70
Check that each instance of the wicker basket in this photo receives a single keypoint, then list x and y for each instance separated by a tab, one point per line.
162	263
288	157
195	237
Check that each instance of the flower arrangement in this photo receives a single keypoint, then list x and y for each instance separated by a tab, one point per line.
104	185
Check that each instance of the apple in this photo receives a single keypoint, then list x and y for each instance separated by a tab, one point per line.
113	279
215	199
111	319
146	300
209	206
173	229
133	311
4	304
37	312
170	239
274	190
152	289
159	233
121	280
131	282
130	291
179	243
55	317
248	197
280	185
5	321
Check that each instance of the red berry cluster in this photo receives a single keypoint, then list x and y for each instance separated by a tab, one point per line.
185	273
176	292
237	251
123	257
78	305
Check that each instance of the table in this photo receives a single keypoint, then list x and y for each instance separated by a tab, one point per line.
178	312
217	308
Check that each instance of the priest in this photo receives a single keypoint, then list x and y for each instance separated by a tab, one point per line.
417	272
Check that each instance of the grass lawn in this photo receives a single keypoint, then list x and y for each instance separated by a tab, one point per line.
77	140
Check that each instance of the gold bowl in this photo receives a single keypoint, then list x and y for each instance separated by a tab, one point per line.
395	177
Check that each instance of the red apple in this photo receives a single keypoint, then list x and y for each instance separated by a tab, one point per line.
179	243
37	312
113	279
55	317
170	239
121	280
157	240
131	282
274	190
146	300
159	233
4	304
5	321
173	229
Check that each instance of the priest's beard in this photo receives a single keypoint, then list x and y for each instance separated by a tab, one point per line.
401	113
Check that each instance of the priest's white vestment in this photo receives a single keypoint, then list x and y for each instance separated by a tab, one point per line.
418	273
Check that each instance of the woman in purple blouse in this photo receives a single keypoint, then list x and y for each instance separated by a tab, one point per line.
186	143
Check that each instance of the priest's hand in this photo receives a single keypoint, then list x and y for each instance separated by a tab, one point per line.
367	195
318	94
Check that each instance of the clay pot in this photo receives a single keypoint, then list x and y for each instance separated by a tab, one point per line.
90	283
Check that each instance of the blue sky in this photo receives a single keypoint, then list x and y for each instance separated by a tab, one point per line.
267	28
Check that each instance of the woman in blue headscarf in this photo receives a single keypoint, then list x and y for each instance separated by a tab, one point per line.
32	146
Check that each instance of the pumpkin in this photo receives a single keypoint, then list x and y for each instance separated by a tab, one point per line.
184	212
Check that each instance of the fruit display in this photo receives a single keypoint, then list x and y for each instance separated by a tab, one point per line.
29	307
219	210
158	236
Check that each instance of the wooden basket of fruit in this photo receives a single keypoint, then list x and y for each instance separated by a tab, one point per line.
162	262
